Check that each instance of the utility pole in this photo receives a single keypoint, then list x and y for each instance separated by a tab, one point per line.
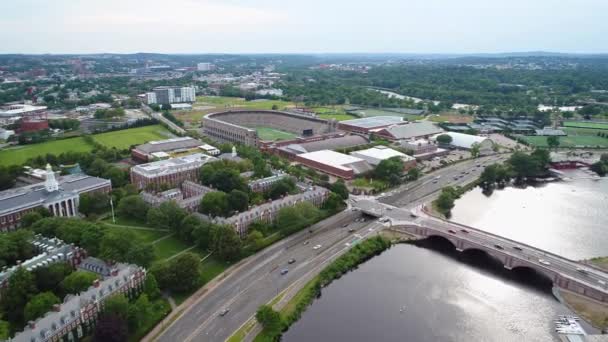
112	206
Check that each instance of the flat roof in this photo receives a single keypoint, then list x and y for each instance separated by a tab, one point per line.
375	121
381	153
169	165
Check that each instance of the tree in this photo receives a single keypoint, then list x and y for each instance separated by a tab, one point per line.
202	235
141	254
188	225
48	278
30	218
413	174
333	202
115	245
78	281
15	296
553	141
39	305
5	330
475	149
139	311
111	328
215	203
180	274
390	170
168	215
117	305
151	287
445	201
340	189
133	207
226	243
238	200
93	203
268	318
444	139
281	187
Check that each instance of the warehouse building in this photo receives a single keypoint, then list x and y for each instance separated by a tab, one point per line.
466	141
366	125
334	143
334	163
377	154
413	130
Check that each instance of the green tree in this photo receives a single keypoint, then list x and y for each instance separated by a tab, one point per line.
168	215
215	203
48	278
117	305
30	218
553	141
202	235
141	254
139	311
16	294
238	200
475	150
151	287
78	281
340	189
39	305
413	174
444	139
226	243
5	330
133	207
180	274
269	319
333	202
93	203
115	245
390	170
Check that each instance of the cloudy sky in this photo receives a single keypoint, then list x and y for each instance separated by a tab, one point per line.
300	26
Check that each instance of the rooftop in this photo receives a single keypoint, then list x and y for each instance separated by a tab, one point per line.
337	160
373	122
413	130
381	153
464	140
169	166
169	144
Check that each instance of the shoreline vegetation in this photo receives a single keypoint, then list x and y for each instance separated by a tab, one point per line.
279	322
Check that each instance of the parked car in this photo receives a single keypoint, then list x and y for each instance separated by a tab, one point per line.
316	247
284	271
291	261
224	312
464	231
517	248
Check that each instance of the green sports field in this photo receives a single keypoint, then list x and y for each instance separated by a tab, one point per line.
569	141
134	136
267	133
585	124
20	154
120	139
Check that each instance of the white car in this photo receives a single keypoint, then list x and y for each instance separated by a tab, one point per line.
347	244
358	236
316	247
544	262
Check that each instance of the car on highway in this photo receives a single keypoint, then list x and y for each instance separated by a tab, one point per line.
284	271
316	247
345	225
517	248
412	215
498	246
451	231
544	262
582	270
224	312
291	261
464	231
306	243
350	230
347	244
358	236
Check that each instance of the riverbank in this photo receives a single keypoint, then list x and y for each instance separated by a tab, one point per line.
601	262
293	309
593	312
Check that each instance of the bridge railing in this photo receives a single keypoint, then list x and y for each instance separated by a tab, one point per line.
425	210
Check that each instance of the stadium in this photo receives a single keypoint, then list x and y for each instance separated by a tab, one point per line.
248	126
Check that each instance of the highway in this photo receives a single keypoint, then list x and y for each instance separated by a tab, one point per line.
260	280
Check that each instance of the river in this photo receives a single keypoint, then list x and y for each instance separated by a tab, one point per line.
432	293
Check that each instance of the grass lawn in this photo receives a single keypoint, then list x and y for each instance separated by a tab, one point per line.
225	101
169	247
366	183
20	154
585	124
267	133
147	236
582	131
569	141
134	136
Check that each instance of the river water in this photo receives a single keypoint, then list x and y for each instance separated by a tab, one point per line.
429	292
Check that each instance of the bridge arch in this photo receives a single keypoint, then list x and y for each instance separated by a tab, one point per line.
443	240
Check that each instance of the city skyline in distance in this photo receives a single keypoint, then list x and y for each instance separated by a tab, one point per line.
271	26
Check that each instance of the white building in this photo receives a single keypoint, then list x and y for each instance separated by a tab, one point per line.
204	66
169	95
210	150
377	154
466	141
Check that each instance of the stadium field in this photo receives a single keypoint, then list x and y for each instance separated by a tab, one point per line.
267	133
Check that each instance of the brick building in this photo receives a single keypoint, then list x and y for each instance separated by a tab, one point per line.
334	163
149	151
170	172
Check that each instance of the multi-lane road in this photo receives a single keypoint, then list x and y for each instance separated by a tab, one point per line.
258	280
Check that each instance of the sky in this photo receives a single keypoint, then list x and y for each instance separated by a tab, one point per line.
303	26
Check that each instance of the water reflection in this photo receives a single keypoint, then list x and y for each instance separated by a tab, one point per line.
444	299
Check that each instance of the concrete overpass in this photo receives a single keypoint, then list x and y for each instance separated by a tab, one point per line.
565	273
